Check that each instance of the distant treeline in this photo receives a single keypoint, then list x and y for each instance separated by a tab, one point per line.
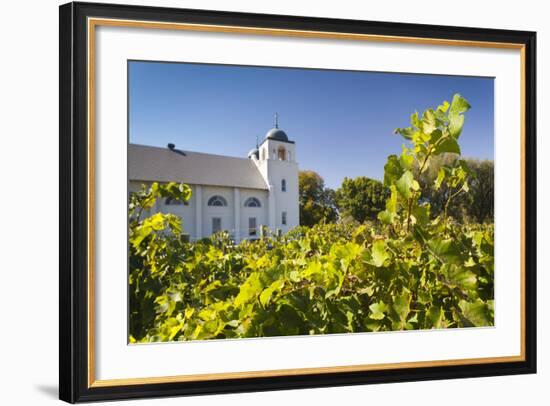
362	198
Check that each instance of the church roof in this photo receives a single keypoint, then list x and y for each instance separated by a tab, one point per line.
276	134
150	164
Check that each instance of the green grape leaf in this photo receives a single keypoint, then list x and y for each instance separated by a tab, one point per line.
377	310
428	122
379	253
267	293
385	217
476	312
434	317
443	107
392	170
457	276
440	178
406	160
406	133
459	106
407	184
447	144
446	250
250	289
422	214
401	309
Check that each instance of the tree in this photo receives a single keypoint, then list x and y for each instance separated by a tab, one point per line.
482	191
361	198
438	197
316	201
477	205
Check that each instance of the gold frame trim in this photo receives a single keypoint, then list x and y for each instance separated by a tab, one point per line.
94	22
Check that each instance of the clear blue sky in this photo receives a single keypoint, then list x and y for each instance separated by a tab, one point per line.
342	122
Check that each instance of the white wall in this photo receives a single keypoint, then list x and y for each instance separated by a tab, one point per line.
29	245
275	170
285	201
226	214
208	212
259	212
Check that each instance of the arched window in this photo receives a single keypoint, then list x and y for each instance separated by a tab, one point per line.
218	201
252	202
281	153
263	154
170	201
283	185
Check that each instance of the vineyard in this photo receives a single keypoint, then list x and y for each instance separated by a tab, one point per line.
407	270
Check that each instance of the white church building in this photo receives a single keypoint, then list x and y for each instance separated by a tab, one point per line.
238	195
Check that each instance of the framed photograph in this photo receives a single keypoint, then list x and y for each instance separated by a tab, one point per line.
257	202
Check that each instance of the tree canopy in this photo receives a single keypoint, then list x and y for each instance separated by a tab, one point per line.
361	198
316	201
477	205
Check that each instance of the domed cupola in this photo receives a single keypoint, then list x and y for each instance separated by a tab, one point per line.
276	133
254	153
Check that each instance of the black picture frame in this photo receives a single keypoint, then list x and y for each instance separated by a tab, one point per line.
74	199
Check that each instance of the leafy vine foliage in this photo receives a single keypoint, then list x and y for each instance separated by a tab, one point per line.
407	270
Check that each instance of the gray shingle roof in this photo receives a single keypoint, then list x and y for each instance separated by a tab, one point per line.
150	164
